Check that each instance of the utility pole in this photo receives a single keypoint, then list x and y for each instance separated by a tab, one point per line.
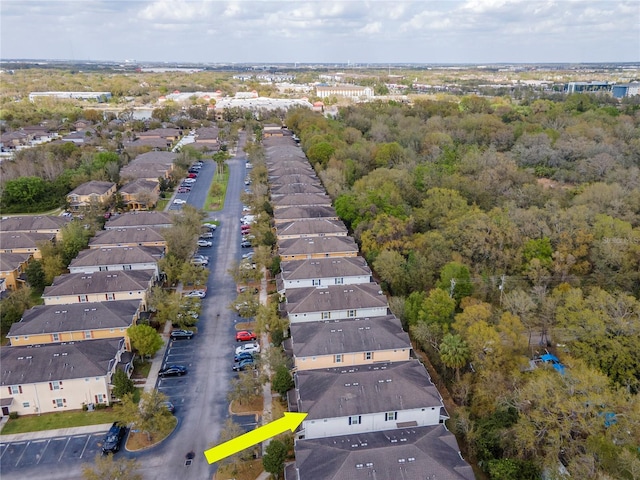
501	287
453	287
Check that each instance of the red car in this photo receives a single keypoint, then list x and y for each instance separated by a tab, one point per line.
192	175
245	336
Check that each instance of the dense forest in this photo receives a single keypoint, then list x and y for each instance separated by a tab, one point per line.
502	232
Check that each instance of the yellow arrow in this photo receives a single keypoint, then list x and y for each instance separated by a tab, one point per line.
290	421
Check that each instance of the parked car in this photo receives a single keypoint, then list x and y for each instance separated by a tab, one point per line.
192	175
206	235
210	226
205	243
243	365
196	294
184	189
248	347
243	356
246	244
245	336
243	289
248	255
179	201
188	334
189	180
113	439
169	406
173	371
199	261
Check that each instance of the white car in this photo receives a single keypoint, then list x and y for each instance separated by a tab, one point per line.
196	294
189	180
204	243
248	256
179	201
253	347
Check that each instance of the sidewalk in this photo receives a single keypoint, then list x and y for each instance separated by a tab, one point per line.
266	388
156	364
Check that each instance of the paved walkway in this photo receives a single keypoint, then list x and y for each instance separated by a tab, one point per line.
266	388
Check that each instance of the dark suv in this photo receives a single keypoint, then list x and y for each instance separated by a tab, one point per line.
113	439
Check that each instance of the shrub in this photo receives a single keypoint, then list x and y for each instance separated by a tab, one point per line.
13	415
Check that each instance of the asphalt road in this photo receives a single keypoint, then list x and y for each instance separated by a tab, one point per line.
200	396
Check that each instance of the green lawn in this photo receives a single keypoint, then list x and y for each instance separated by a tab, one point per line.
215	203
141	368
49	421
162	203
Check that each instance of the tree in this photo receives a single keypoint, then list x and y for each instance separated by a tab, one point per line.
150	415
35	276
274	457
145	340
438	307
282	381
122	384
455	278
245	388
231	430
13	306
105	467
454	352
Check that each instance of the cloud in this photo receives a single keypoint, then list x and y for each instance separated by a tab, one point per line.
168	11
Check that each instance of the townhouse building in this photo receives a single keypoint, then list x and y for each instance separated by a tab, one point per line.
322	272
115	259
128	237
35	224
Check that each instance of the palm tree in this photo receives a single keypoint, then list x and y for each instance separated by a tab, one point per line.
454	352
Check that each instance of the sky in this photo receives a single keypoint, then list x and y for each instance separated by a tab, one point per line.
322	31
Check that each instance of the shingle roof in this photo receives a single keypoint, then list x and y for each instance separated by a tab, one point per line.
315	245
312	227
93	186
335	297
10	261
296	188
95	257
163	158
33	223
348	336
416	453
59	361
291	178
304	213
301	199
324	268
14	240
123	236
139	185
75	317
99	282
365	389
140	219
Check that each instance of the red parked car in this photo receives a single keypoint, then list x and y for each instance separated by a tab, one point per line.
192	175
245	336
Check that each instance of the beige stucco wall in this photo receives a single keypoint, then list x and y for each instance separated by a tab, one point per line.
98	297
22	340
328	361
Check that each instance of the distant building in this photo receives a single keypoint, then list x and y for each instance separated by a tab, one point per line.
349	91
625	90
587	87
98	96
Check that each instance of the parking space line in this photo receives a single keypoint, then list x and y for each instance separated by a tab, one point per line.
22	454
85	445
65	447
6	447
42	453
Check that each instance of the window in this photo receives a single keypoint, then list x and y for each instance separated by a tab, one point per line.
337	358
110	296
339	281
25	404
15	389
55	385
59	402
355	420
103	269
315	282
87	334
100	398
82	298
56	337
368	355
326	315
390	416
126	267
351	313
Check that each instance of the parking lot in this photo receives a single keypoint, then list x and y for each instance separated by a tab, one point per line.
50	451
179	352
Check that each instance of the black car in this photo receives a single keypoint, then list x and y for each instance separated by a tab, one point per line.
173	371
113	439
188	334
